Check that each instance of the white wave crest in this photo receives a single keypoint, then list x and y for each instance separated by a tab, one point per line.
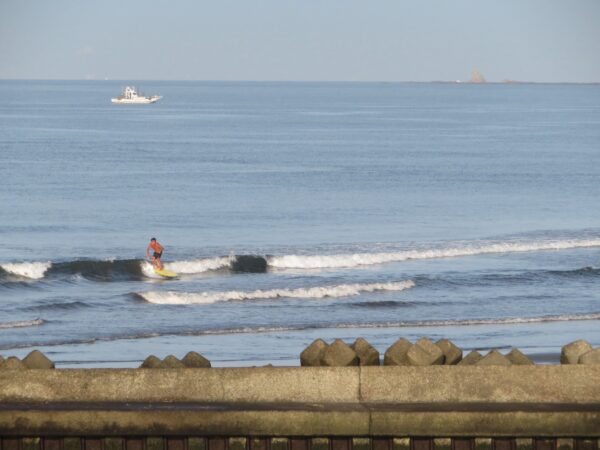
189	267
362	259
200	265
33	270
21	324
341	290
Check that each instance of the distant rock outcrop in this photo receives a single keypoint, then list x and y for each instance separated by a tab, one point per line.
476	77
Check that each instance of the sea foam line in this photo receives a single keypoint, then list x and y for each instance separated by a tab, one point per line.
401	324
320	326
470	322
362	259
21	324
341	290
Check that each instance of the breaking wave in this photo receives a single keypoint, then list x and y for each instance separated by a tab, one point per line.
341	290
200	265
129	269
31	270
235	263
363	259
136	269
21	324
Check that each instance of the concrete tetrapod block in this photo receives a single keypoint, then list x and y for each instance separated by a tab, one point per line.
570	353
494	358
424	353
395	355
432	349
515	356
37	360
339	354
367	354
12	363
195	360
591	357
170	362
452	354
417	356
311	356
151	362
470	359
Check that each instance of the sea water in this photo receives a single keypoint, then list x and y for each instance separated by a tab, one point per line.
294	211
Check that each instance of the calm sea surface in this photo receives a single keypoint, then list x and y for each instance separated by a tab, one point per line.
294	211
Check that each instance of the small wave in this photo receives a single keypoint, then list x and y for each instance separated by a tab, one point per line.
21	324
31	270
304	327
341	290
583	272
401	324
363	259
57	306
368	325
388	304
468	322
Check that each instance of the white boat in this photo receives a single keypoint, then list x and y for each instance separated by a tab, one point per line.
131	96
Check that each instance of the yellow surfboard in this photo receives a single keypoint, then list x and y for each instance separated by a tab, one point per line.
165	273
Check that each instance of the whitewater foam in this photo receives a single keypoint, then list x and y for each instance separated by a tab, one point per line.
200	265
21	324
363	259
341	290
148	270
32	270
190	267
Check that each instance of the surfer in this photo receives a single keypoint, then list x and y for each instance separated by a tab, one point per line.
158	251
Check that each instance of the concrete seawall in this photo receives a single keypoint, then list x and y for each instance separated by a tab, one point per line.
365	401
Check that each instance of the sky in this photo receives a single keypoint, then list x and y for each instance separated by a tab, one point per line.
301	40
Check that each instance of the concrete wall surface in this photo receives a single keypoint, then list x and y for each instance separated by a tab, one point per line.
433	401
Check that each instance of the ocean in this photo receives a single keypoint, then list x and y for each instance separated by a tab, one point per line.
294	211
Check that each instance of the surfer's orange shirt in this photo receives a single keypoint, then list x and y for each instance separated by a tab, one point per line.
156	247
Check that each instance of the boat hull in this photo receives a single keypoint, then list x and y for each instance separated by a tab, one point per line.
136	101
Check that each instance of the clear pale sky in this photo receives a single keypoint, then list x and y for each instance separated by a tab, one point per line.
355	40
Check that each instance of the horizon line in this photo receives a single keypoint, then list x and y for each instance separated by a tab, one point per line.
301	81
